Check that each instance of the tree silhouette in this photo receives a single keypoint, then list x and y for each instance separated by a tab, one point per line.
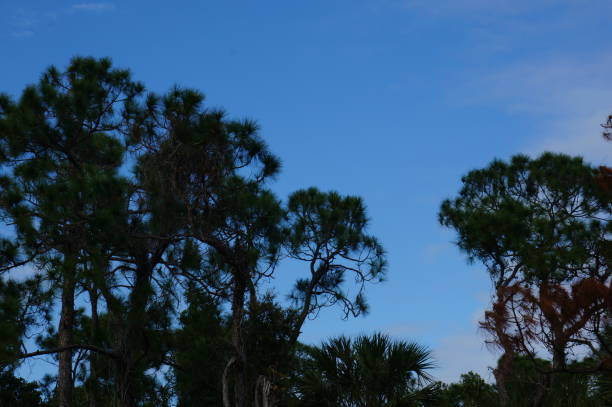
540	227
366	371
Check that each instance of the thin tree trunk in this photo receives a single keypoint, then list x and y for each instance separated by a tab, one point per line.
240	379
65	383
543	387
558	362
225	383
263	389
131	337
125	390
501	374
93	373
302	316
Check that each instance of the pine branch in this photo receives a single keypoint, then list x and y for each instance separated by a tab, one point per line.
69	347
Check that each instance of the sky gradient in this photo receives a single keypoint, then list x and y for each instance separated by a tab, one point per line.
391	100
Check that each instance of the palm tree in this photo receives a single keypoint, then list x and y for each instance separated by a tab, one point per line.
368	371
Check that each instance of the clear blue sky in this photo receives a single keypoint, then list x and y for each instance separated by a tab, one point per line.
392	100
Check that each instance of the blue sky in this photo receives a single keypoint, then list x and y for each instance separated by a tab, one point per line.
392	100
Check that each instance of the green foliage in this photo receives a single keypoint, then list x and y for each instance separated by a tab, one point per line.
539	217
137	203
269	330
470	391
22	306
63	146
568	390
16	392
328	231
11	325
367	371
131	203
200	351
541	228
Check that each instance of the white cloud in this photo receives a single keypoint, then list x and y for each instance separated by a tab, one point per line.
458	354
572	97
22	23
567	91
22	33
491	9
25	21
445	7
94	7
580	135
465	350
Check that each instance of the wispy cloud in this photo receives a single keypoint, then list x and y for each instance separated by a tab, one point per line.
458	354
22	23
478	9
446	7
521	65
465	350
93	7
22	33
569	96
25	22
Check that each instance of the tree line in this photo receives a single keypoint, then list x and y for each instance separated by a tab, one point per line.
141	238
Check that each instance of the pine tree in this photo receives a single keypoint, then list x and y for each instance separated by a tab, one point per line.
61	152
540	227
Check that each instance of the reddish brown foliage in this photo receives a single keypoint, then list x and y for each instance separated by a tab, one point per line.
555	316
605	179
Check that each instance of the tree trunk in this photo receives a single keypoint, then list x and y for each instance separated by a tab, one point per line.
131	344
65	383
225	383
501	373
124	385
544	386
92	388
120	335
558	362
240	377
263	392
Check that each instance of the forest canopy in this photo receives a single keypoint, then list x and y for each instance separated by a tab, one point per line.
142	238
